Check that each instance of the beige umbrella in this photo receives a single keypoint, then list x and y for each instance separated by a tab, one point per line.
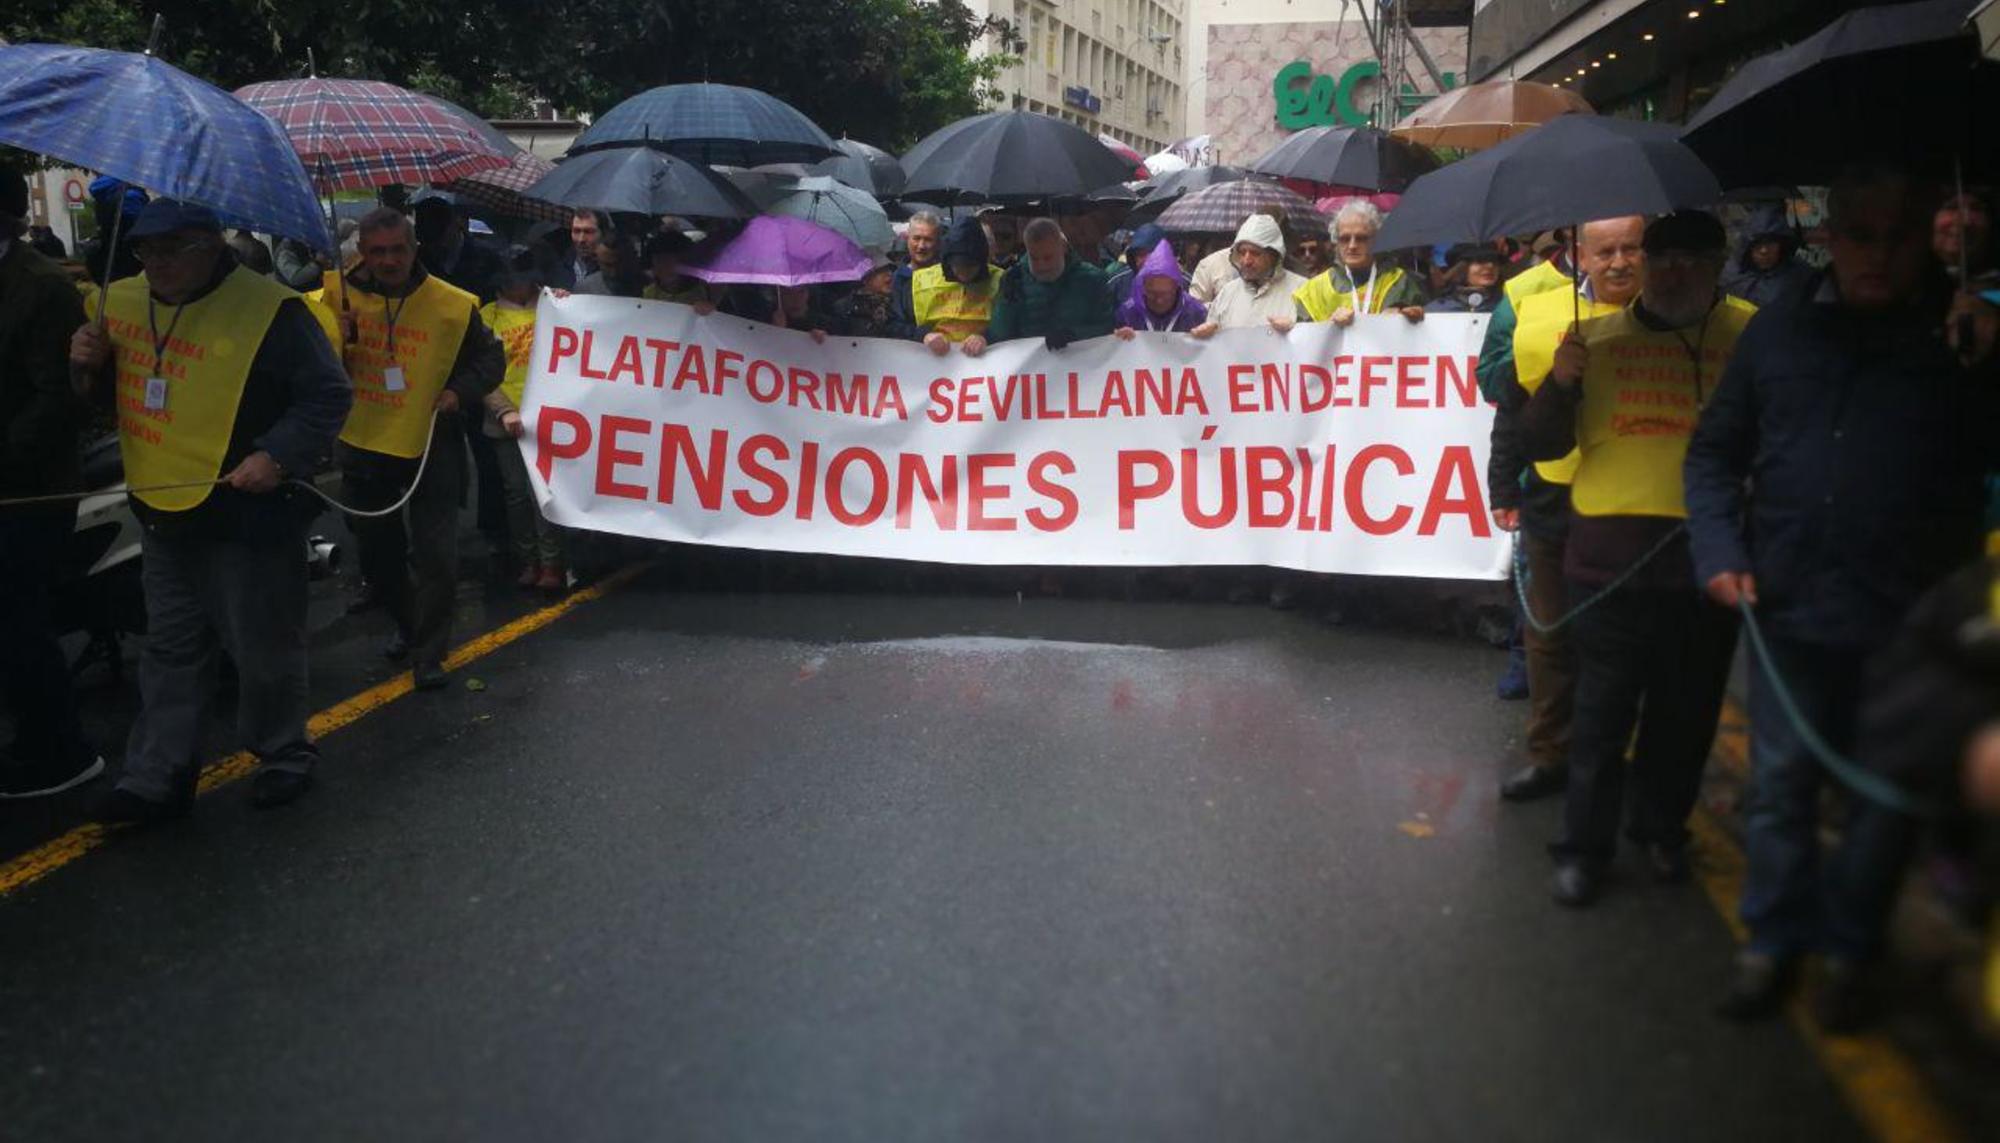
1985	20
1470	118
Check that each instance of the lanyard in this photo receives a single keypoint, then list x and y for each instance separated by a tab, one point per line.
160	340
1365	296
1694	355
390	316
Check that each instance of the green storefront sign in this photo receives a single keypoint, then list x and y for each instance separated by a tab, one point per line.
1308	100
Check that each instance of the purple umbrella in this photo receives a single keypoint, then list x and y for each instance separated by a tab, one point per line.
780	251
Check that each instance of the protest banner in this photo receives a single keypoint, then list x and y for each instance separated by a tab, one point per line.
1359	450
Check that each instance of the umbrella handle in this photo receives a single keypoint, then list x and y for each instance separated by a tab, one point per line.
110	256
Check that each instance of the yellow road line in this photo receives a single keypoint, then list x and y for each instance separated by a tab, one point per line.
1881	1085
19	872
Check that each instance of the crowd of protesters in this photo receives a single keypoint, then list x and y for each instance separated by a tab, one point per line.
1813	445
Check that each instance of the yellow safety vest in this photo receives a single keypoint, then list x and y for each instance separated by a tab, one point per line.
324	303
430	326
205	362
1539	325
1536	279
515	327
1642	394
1320	298
951	308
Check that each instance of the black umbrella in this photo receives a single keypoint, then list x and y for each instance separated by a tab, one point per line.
641	180
1360	157
1569	170
1174	184
864	168
1851	92
1009	157
710	123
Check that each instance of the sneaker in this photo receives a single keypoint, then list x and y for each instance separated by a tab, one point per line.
551	579
272	788
397	648
530	576
1758	987
41	779
118	806
429	677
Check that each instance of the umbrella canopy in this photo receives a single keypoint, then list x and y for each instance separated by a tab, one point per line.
357	134
1840	95
865	168
1346	156
1473	118
711	123
1174	184
139	119
1220	209
640	180
1010	157
779	252
499	190
1571	169
840	208
503	190
1164	163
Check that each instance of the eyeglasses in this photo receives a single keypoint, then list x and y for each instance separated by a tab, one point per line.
155	253
1354	239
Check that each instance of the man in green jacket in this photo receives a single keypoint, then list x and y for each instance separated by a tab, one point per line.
1051	293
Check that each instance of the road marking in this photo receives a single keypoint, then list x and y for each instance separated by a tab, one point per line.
20	872
1882	1086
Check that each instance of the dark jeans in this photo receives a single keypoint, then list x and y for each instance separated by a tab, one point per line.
411	557
32	668
206	595
1654	660
1788	906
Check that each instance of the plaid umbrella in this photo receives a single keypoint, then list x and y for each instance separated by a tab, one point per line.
358	134
143	121
1221	208
500	190
710	123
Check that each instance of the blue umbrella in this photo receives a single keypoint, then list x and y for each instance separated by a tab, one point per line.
713	124
148	123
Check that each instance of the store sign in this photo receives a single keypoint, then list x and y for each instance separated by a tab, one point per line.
1082	99
1308	100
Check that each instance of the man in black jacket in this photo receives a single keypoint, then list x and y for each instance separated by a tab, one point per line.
225	388
1835	475
39	419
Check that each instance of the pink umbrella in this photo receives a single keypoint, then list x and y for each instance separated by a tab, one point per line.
1385	201
780	251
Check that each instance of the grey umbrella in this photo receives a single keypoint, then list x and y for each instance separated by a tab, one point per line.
864	168
711	123
641	180
1010	157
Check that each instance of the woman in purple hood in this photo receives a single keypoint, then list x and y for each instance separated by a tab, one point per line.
1159	300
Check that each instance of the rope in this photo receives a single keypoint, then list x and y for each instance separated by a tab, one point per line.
1861	781
1521	580
423	461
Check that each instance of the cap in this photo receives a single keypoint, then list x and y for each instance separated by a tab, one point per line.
1474	252
166	215
1691	231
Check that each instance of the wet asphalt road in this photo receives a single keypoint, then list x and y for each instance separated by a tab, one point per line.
861	866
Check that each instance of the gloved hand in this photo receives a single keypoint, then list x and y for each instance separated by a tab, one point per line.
1059	339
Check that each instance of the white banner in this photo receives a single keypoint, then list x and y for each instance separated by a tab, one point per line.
1360	450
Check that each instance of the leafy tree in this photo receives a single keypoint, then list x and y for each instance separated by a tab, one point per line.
886	71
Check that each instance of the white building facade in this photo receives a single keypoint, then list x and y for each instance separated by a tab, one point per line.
1113	67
